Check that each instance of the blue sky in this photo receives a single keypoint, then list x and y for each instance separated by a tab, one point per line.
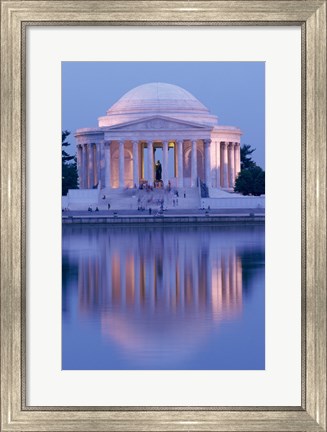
234	91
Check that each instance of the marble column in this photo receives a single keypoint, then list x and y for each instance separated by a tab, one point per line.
121	164
141	158
91	166
231	171
165	162
207	162
136	176
150	163
237	159
107	164
217	150
180	180
85	167
100	157
194	168
224	163
96	164
175	160
79	165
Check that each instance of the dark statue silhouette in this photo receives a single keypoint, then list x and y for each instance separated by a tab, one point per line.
158	171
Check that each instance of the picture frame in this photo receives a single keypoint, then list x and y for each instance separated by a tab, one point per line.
16	17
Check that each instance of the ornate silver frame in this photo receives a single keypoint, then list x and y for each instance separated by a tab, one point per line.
311	16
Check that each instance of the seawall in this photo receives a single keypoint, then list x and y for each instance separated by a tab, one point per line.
251	218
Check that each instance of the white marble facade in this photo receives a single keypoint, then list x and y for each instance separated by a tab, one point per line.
158	117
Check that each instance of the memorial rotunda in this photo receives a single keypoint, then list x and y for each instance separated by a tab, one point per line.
158	121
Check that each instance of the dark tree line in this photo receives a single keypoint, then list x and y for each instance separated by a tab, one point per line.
69	166
251	179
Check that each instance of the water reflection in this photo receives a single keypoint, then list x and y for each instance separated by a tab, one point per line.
155	298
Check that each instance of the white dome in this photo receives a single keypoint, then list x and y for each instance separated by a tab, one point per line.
157	99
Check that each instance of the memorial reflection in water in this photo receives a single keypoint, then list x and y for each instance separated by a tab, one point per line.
163	298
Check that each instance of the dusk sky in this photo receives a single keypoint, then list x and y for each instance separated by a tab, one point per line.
234	91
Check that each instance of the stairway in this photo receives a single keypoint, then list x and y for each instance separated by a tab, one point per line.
132	199
191	200
118	199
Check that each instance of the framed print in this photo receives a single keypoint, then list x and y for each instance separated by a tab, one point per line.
163	266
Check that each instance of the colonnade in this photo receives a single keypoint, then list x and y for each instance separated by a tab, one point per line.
88	164
228	163
220	172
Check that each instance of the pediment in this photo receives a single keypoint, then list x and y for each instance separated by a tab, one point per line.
157	123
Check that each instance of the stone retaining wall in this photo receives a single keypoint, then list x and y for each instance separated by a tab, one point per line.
234	202
165	220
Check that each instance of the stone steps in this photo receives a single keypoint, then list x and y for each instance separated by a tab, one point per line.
131	199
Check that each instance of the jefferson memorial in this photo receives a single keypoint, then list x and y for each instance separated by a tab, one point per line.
158	125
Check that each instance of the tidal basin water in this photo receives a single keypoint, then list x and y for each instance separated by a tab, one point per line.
182	297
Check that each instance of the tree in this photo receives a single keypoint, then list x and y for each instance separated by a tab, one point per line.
246	160
69	166
251	181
